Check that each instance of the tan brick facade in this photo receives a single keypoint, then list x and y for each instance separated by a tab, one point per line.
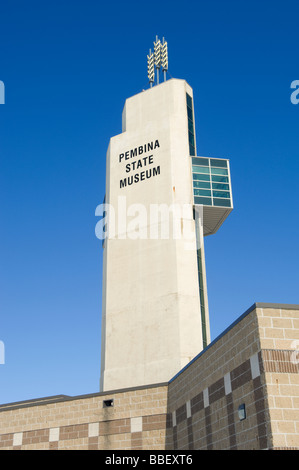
136	420
252	365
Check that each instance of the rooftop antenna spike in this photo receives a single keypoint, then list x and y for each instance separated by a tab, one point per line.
157	54
150	68
164	58
156	60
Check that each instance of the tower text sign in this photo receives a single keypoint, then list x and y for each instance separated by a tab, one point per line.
139	163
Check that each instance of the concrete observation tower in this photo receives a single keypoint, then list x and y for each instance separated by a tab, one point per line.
162	199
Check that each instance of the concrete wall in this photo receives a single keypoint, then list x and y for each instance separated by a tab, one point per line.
254	362
151	319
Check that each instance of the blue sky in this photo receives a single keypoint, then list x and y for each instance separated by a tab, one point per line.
68	68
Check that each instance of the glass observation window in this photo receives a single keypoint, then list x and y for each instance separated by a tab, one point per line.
221	202
211	182
225	194
200	169
206	201
200	161
198	176
218	163
202	184
222	186
202	192
219	171
220	179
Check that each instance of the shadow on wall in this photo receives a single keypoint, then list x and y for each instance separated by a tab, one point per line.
218	401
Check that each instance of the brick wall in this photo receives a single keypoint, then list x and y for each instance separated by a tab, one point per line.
252	364
136	420
279	337
242	367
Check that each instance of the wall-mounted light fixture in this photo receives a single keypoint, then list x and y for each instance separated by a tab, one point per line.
107	403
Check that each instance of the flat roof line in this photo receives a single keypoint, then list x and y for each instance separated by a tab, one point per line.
64	398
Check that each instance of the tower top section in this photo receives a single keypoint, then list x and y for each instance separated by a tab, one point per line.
156	60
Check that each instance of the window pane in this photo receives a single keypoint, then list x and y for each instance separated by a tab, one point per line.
219	171
200	169
189	101
221	163
190	114
221	194
220	179
200	161
222	202
202	192
199	177
220	186
206	201
201	184
191	150
190	126
191	139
